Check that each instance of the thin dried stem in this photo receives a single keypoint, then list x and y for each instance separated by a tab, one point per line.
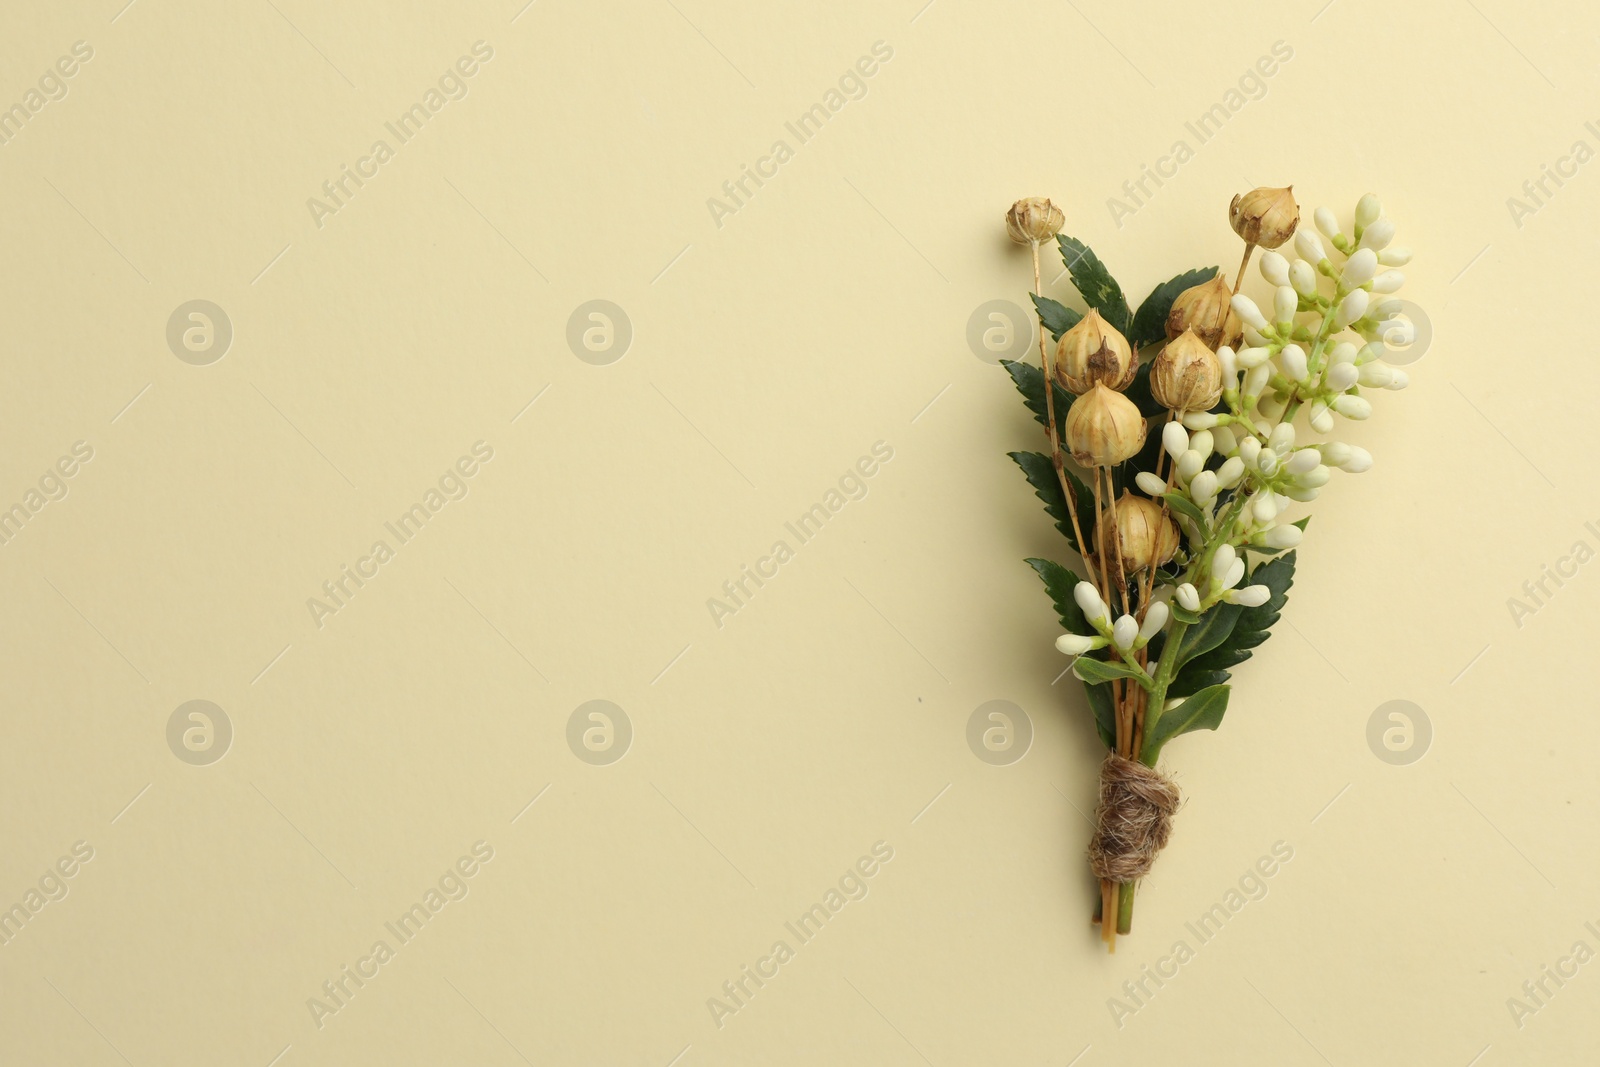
1056	459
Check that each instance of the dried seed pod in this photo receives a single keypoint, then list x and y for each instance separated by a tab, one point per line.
1145	536
1094	353
1186	375
1104	428
1265	217
1034	220
1207	309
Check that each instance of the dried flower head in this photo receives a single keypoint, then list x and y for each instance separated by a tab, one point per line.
1186	375
1104	428
1146	536
1034	220
1265	217
1206	309
1094	352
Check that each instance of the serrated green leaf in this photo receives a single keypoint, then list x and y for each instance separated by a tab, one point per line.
1202	711
1150	321
1041	474
1056	316
1094	671
1105	713
1029	381
1091	278
1252	627
1058	583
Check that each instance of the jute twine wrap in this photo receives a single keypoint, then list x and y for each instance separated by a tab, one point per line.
1133	819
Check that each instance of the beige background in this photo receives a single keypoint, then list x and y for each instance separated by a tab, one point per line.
768	354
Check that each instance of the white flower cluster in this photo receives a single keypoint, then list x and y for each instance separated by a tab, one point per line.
1303	357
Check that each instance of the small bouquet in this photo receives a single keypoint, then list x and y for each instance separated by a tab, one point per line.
1184	533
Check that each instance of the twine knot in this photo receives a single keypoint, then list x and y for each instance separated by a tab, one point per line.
1133	819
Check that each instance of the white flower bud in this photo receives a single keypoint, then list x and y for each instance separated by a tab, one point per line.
1376	375
1226	443
1234	574
1249	448
1265	508
1352	407
1203	487
1399	380
1397	332
1368	208
1201	443
1343	352
1267	462
1395	256
1253	336
1335	453
1077	644
1253	357
1285	302
1274	268
1247	311
1327	222
1223	558
1088	598
1149	483
1341	376
1188	597
1286	536
1359	460
1174	439
1303	459
1252	596
1360	268
1199	420
1302	493
1155	617
1303	276
1256	379
1310	249
1230	366
1321	419
1125	631
1351	308
1189	465
1378	235
1230	472
1316	477
1282	437
1389	281
1293	361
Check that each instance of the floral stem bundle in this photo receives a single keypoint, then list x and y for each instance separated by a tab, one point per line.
1185	469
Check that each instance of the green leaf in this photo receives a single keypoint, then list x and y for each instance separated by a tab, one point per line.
1150	322
1030	383
1105	712
1215	624
1041	474
1058	582
1100	290
1252	627
1183	614
1056	316
1094	671
1185	507
1202	711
